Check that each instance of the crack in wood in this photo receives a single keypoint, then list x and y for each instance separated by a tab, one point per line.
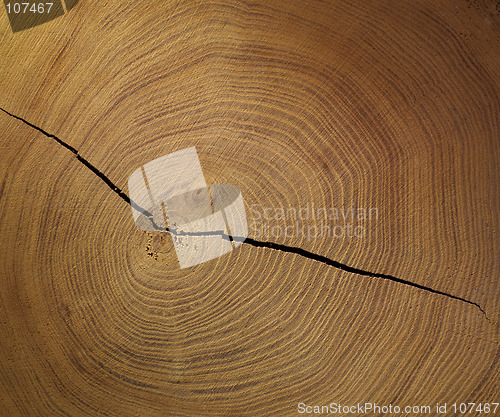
256	243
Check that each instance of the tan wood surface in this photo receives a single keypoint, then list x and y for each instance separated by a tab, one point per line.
391	105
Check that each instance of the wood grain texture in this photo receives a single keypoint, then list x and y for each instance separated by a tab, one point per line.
388	104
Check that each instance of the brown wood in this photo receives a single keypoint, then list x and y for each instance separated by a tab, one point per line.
391	105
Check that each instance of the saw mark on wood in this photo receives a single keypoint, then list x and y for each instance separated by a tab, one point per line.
249	241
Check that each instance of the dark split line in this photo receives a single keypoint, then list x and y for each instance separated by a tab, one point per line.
256	243
347	268
86	163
